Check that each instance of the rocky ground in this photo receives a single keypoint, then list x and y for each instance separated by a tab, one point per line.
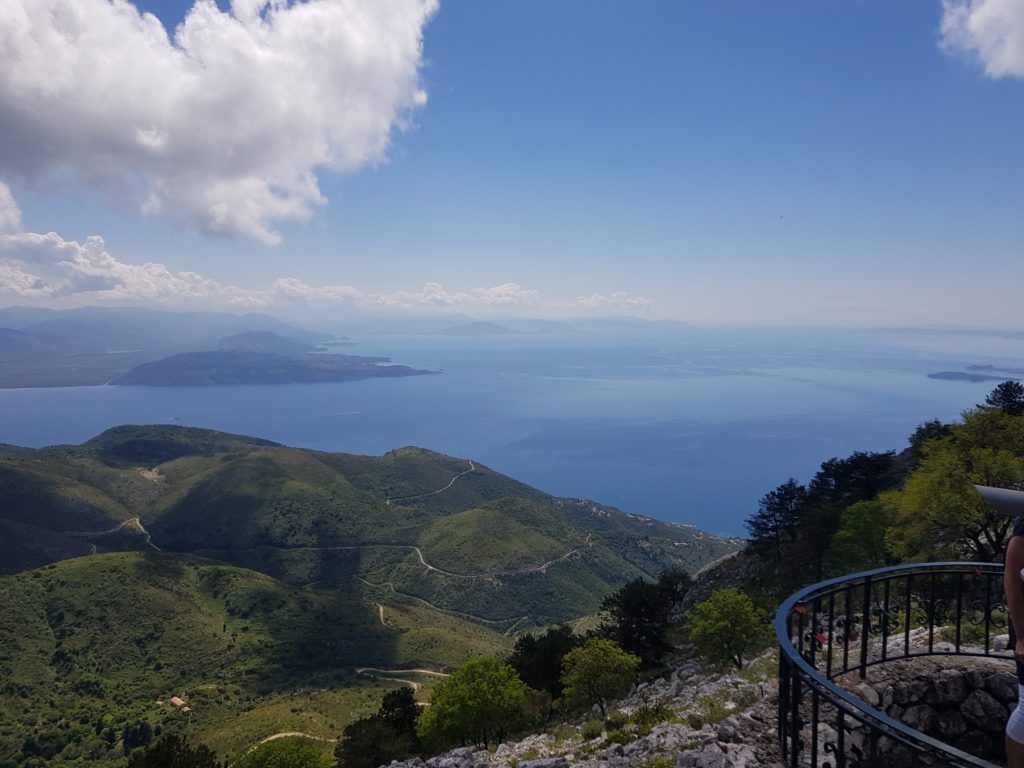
692	718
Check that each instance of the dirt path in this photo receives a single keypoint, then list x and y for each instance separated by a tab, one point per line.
132	522
535	569
472	468
515	622
380	612
385	674
289	734
419	554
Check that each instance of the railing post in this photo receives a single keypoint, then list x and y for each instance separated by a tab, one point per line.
906	620
783	705
959	607
988	611
865	628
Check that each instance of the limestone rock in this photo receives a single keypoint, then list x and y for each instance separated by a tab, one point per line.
1003	686
544	762
984	711
921	717
868	694
949	687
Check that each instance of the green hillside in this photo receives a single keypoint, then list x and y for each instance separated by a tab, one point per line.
274	589
439	530
90	645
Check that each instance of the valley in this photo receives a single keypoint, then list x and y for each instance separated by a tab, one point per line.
274	589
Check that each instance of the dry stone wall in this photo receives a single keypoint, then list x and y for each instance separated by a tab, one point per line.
961	701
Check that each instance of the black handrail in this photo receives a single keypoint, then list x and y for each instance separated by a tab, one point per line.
803	674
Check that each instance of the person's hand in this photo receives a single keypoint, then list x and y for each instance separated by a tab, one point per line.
1018	650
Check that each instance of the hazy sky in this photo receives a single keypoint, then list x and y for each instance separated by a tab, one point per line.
715	162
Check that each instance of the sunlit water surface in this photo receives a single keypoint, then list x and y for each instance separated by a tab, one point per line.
693	427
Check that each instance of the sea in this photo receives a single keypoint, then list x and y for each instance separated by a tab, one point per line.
691	426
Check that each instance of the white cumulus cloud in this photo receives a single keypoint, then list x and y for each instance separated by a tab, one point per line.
224	124
47	267
616	300
293	290
435	295
990	30
10	213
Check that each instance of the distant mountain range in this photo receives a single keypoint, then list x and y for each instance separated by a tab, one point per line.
91	346
268	585
235	367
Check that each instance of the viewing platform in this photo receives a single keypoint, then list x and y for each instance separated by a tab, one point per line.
900	666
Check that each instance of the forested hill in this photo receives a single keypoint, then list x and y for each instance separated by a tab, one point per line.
277	589
412	525
869	510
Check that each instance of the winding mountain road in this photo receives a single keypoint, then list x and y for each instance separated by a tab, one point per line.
132	522
472	468
383	675
515	621
419	554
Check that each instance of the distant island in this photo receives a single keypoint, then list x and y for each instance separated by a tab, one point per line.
93	346
996	369
233	366
964	376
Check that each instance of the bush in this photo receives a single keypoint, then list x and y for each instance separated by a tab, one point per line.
619	737
649	715
482	701
725	627
615	721
592	729
284	753
598	671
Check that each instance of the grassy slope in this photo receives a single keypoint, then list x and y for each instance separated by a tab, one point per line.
291	513
87	645
98	640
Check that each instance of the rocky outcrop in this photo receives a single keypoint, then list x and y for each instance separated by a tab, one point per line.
711	720
715	720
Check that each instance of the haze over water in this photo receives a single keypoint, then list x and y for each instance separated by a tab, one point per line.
691	428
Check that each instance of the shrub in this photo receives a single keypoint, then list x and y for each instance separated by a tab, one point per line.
619	737
592	729
725	627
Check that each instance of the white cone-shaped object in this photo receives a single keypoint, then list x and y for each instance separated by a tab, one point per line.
1004	500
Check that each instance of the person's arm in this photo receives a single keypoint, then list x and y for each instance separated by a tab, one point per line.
1012	565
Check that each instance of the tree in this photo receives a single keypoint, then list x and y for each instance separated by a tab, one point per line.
538	658
400	711
937	513
859	544
379	739
481	702
1008	396
725	627
838	484
637	617
370	742
598	671
173	751
138	734
925	433
674	584
284	753
778	515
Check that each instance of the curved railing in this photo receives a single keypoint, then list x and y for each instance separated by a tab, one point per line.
846	625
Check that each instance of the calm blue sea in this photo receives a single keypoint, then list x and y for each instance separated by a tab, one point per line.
692	427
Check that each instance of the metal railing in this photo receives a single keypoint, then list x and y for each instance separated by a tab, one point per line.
848	624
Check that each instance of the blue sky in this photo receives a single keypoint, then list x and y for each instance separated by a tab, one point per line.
716	162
